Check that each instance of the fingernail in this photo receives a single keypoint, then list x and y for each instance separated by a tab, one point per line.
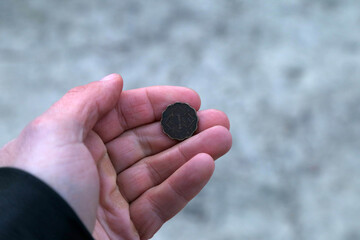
109	77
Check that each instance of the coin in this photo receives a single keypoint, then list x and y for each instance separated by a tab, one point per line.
179	121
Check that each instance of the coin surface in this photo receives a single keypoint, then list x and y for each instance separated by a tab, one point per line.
179	121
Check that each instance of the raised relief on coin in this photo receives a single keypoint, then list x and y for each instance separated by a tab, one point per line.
179	121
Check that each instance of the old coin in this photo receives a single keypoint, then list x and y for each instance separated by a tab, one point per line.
179	121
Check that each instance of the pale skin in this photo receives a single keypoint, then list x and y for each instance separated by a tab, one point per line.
103	151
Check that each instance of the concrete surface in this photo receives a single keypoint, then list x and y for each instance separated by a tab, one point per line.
285	72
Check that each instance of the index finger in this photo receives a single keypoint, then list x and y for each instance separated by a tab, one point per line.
142	106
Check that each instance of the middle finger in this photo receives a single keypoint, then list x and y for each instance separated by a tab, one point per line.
148	140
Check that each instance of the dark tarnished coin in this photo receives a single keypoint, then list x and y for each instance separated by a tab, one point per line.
179	121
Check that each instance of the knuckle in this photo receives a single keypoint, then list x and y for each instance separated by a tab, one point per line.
39	124
76	90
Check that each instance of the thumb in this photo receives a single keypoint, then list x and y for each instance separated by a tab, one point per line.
85	105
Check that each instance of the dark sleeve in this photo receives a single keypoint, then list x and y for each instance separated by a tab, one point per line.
30	209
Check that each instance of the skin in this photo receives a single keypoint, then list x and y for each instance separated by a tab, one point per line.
103	151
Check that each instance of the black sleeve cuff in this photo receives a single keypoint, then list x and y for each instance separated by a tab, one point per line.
30	209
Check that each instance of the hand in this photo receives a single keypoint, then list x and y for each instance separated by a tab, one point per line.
104	152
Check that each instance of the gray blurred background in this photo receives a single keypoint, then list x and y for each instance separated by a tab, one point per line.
286	73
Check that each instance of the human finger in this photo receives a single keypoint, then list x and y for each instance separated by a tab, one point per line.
157	205
153	170
142	106
85	105
149	139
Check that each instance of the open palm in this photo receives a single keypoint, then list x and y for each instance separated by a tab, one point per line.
123	170
146	178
